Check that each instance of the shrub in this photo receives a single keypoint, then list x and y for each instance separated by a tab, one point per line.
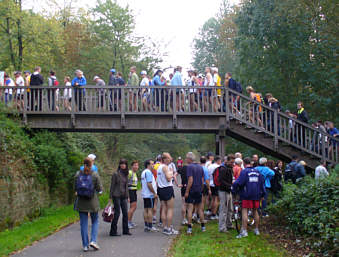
311	209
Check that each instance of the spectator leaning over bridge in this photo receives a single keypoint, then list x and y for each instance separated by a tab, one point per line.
36	80
177	81
301	116
321	171
27	77
52	93
217	97
133	93
251	187
20	82
87	185
334	132
78	82
8	92
112	80
158	94
145	91
67	93
208	82
101	91
268	174
254	109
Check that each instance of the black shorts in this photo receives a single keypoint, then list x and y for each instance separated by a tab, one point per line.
148	203
132	196
166	193
205	191
214	191
194	198
183	191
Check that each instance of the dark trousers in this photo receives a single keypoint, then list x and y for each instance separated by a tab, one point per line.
118	203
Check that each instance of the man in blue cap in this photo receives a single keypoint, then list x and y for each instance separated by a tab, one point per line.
112	81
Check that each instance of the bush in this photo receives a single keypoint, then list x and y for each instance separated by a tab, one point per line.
311	209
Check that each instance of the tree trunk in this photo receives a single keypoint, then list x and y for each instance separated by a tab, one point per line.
10	44
20	45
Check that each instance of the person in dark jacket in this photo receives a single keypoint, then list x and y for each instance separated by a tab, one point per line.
85	205
36	80
276	182
225	195
119	194
251	187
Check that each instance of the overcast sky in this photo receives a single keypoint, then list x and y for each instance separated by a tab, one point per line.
175	22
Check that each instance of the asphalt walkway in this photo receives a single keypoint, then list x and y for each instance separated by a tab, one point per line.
67	242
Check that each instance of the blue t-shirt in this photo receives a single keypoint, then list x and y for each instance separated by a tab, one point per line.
196	171
147	177
206	175
94	168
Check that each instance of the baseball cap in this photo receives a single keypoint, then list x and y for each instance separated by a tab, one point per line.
92	156
112	70
143	72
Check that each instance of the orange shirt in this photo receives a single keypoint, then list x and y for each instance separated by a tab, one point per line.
236	171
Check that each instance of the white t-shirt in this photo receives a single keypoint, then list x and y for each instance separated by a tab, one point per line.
9	83
19	81
211	168
147	177
68	92
161	178
144	82
320	172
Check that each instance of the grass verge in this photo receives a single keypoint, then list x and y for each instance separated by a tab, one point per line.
214	244
52	220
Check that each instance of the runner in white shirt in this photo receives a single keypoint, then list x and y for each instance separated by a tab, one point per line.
214	189
67	93
148	193
20	82
208	199
166	193
145	92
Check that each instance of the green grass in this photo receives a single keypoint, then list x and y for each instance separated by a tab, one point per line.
53	219
215	244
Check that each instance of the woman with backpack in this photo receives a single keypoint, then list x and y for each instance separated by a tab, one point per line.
88	186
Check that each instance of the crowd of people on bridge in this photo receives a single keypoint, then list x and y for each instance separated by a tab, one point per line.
209	186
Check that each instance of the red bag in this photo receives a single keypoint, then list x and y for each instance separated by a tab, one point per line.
108	214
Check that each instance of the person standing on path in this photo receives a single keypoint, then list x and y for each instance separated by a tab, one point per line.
148	193
225	196
132	192
193	194
166	194
88	185
206	192
251	187
119	194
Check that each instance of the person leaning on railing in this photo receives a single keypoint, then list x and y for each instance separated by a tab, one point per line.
78	82
36	80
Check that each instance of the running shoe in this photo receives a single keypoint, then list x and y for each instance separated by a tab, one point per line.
147	229
173	231
189	231
242	234
184	222
154	229
86	249
203	229
167	231
256	232
94	245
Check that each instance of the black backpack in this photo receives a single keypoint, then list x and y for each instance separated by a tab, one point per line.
238	87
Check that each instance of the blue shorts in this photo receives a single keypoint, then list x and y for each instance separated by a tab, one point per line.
194	197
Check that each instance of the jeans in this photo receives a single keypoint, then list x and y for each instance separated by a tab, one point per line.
264	202
120	202
84	227
225	211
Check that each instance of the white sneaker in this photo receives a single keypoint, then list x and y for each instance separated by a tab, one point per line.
86	249
154	229
242	234
167	231
256	232
189	231
94	245
173	231
184	222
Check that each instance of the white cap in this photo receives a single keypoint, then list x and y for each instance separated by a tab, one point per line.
92	156
238	161
96	77
215	69
143	72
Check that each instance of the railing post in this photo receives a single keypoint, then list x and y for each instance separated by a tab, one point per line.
123	124
24	112
227	107
173	92
276	130
73	89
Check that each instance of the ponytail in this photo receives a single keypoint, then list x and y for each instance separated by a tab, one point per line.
88	166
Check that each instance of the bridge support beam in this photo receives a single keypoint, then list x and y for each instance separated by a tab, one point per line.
220	144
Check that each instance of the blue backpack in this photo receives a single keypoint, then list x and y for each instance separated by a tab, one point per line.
84	186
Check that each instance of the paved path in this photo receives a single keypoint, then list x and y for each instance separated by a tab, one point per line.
67	242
